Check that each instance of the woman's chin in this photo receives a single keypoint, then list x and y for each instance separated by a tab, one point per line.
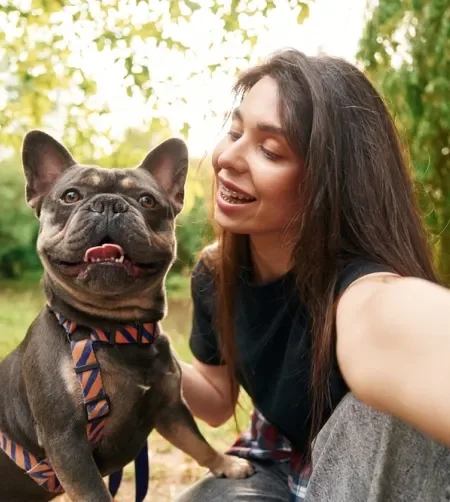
230	223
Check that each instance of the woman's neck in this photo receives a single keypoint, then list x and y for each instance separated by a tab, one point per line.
271	257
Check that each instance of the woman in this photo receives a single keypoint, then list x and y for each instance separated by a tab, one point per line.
320	291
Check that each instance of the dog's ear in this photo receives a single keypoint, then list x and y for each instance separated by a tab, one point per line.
44	160
168	164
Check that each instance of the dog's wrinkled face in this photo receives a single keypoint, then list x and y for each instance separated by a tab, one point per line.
105	232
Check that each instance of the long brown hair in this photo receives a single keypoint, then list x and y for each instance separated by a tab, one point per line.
357	199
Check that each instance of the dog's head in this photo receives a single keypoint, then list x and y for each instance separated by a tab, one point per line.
106	236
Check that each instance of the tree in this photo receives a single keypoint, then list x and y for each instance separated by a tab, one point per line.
405	49
44	45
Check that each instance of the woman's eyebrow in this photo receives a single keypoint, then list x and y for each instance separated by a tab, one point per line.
261	126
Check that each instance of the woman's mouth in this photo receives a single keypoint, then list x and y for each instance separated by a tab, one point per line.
233	196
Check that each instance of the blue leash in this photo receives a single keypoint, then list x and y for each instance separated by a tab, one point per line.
141	473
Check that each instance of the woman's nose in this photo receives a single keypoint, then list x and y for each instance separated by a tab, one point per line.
233	157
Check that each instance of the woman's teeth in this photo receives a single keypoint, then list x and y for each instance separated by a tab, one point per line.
234	197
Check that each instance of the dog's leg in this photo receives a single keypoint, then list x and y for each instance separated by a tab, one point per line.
60	418
176	424
70	455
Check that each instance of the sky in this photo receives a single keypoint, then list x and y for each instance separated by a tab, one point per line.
333	27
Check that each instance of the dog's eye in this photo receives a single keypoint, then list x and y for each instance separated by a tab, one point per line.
71	196
147	201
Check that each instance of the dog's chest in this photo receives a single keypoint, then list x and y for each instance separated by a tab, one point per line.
129	375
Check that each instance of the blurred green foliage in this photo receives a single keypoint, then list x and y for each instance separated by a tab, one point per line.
43	42
405	49
18	227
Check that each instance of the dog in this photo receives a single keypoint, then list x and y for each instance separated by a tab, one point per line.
94	375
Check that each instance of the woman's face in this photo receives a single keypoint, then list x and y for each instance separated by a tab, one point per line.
257	174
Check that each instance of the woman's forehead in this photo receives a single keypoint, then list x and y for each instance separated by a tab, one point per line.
261	103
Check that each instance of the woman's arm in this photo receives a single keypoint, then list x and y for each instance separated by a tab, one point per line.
393	348
206	389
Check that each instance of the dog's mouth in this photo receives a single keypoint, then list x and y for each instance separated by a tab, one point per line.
109	255
112	253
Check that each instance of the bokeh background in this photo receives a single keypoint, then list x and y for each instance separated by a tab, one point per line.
113	78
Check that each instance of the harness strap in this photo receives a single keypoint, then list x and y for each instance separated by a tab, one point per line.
96	402
38	469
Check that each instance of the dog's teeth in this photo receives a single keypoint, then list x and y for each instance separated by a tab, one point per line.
103	260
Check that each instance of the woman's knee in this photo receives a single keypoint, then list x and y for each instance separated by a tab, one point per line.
375	456
268	484
207	488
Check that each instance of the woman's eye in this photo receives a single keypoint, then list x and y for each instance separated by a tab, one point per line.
269	155
71	196
147	201
234	135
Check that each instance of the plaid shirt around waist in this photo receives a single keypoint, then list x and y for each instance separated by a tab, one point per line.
262	441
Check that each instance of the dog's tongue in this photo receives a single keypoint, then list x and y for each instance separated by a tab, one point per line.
104	252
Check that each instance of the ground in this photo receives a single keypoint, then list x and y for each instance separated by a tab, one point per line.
171	470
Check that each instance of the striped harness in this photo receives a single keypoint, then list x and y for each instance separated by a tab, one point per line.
96	402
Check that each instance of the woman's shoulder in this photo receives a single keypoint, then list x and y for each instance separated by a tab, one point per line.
209	256
204	272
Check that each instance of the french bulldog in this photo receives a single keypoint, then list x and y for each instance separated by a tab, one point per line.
106	242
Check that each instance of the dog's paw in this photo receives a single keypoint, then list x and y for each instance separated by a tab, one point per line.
232	467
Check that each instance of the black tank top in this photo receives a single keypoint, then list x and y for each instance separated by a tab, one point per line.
273	345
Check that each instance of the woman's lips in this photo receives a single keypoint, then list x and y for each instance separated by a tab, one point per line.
229	204
233	194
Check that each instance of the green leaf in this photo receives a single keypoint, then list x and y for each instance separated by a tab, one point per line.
304	13
185	129
175	11
193	6
213	67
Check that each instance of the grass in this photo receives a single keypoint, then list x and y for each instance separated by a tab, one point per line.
171	469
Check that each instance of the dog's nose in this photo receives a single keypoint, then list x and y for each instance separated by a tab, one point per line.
97	206
119	206
113	203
